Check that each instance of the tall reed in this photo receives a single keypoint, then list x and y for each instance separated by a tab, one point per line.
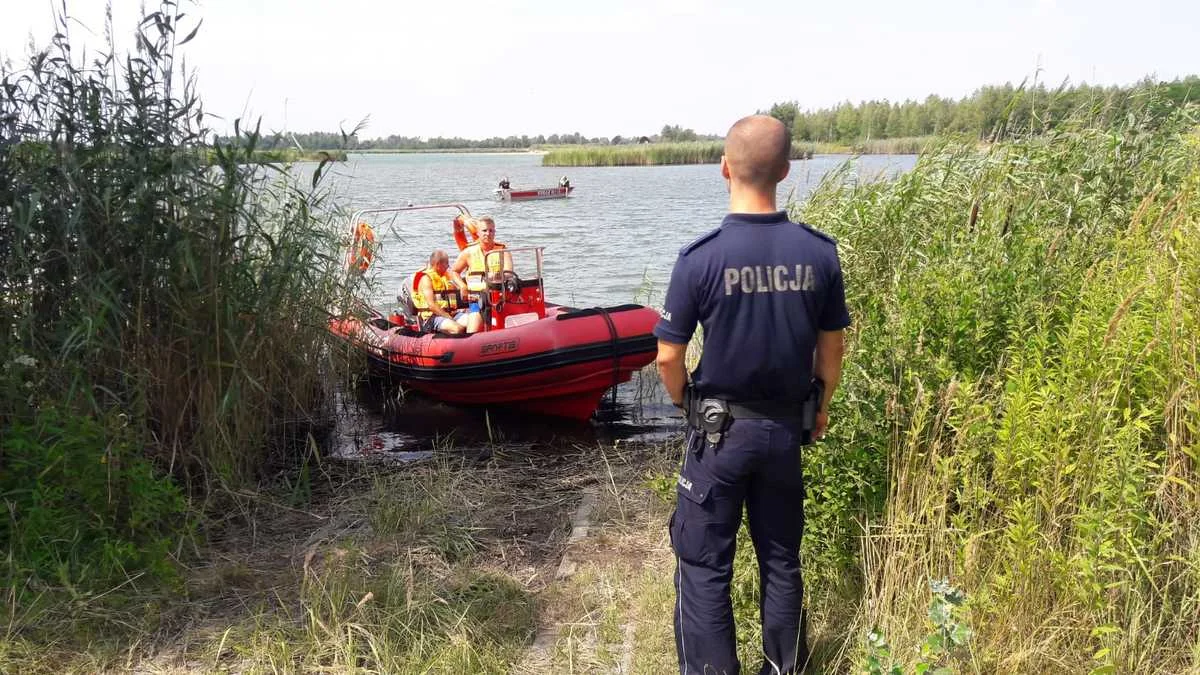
181	305
1020	410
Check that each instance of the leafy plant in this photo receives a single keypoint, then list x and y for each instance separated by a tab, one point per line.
163	312
83	510
948	634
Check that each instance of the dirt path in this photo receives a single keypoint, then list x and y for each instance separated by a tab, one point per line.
553	558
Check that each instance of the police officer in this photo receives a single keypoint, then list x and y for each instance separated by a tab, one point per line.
769	295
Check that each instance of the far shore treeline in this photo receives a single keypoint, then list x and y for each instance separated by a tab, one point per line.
845	128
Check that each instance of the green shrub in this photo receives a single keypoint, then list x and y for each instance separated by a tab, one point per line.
1019	407
83	509
152	272
163	308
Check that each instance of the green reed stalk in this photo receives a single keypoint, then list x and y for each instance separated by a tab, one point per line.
163	287
1019	411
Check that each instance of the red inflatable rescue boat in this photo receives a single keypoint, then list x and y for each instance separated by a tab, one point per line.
532	355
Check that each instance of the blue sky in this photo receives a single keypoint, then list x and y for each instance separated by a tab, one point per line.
475	69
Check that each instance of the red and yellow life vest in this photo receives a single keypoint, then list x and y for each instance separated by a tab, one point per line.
444	293
479	262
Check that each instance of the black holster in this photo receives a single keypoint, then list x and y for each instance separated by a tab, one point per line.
714	415
709	415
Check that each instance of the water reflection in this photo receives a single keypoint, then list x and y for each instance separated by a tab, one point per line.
385	424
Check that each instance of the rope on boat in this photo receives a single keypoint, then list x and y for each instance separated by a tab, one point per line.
613	340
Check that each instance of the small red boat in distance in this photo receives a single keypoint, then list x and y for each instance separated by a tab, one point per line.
532	355
507	193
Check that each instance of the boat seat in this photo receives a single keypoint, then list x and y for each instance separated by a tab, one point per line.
405	306
405	297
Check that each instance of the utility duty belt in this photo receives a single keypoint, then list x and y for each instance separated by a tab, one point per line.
712	416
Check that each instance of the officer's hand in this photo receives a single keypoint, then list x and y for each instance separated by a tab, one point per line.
822	424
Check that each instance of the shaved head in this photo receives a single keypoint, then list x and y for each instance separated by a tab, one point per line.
757	149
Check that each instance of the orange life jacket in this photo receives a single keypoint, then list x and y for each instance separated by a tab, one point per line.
444	293
479	262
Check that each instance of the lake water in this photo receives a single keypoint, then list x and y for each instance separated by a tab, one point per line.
618	232
613	241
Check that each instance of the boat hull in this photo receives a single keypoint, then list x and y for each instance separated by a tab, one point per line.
561	365
534	194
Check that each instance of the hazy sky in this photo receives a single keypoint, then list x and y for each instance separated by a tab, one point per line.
476	69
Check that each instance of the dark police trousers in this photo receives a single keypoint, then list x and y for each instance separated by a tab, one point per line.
757	462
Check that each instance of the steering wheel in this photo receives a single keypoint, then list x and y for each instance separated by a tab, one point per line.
512	282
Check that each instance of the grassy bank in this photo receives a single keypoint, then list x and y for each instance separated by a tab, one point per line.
646	154
144	295
439	151
635	155
1020	413
447	566
875	146
284	156
289	155
650	154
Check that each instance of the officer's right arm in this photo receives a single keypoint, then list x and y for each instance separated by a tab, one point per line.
674	330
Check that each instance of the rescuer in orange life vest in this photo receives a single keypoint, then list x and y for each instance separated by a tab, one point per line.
436	294
474	259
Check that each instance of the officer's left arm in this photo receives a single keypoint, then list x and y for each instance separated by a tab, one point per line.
827	365
831	344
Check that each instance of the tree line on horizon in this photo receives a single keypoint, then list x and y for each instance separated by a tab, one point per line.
326	140
984	114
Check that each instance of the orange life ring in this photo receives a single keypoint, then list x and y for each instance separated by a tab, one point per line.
362	249
463	230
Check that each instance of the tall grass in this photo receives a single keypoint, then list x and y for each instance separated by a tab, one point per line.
407	597
179	305
1020	410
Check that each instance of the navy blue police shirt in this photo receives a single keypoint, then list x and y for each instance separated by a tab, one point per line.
761	287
